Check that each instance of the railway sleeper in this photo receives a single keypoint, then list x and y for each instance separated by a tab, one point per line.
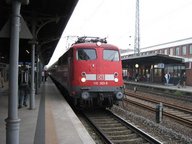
125	137
119	132
130	141
101	118
109	125
187	117
114	128
179	114
105	122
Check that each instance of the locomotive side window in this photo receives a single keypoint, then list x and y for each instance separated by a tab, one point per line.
86	54
111	55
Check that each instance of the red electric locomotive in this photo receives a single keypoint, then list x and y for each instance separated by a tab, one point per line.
91	71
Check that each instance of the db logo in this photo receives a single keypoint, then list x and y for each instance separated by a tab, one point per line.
100	77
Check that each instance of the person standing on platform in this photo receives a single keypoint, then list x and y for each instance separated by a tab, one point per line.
148	77
24	86
179	81
46	75
43	76
167	78
184	78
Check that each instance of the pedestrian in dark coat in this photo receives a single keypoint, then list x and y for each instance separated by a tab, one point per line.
184	78
24	86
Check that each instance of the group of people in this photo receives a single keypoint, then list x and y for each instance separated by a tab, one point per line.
181	82
44	76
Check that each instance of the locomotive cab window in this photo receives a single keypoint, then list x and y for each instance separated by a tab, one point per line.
86	54
111	55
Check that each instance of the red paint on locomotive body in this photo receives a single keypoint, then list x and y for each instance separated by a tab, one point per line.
99	72
91	71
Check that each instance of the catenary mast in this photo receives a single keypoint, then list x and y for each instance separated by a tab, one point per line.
137	30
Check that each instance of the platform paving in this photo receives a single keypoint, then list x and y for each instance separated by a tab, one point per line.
51	122
162	86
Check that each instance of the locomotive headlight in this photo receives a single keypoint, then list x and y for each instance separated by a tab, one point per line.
116	79
83	79
98	43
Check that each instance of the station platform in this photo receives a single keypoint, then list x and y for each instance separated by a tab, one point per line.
161	86
51	122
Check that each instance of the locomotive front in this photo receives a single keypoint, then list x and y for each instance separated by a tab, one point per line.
97	73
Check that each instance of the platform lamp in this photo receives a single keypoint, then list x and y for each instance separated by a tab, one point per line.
136	65
136	71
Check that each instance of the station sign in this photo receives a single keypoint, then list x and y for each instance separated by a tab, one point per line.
161	65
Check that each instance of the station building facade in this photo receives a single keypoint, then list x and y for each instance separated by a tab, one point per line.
153	62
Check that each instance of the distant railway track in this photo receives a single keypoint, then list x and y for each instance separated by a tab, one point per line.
171	93
182	114
114	130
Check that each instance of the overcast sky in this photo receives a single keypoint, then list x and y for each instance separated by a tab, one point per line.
160	21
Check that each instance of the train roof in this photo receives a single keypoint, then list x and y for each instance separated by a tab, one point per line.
94	45
92	42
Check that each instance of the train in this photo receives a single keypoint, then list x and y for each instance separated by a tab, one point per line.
91	72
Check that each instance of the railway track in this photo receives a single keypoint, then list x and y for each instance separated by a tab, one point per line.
114	130
161	92
182	114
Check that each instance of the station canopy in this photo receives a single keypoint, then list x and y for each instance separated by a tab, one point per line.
45	19
151	59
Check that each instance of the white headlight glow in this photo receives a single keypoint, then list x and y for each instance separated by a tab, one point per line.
116	79
83	79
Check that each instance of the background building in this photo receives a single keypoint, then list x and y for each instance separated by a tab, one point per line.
173	57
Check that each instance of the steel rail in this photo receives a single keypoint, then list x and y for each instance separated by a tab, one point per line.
166	112
98	131
143	134
181	108
118	119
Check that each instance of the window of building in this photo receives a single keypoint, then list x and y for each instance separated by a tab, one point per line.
162	51
177	51
166	51
157	72
190	49
184	50
171	51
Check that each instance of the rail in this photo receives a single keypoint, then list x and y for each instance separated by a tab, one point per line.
183	115
114	129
